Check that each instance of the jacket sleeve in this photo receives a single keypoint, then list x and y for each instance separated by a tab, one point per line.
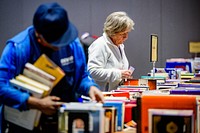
8	70
83	79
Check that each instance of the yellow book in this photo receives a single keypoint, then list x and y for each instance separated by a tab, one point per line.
47	65
34	83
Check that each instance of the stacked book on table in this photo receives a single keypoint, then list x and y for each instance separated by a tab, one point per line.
38	79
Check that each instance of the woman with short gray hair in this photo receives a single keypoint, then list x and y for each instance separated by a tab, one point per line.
107	63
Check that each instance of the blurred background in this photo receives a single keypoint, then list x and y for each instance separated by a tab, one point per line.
176	22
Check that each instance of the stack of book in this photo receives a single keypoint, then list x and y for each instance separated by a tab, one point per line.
38	79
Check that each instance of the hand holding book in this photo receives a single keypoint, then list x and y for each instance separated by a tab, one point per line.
48	105
127	74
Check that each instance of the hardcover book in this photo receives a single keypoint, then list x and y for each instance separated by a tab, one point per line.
81	118
178	102
110	125
120	106
171	120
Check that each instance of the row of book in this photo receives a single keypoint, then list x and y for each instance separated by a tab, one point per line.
148	113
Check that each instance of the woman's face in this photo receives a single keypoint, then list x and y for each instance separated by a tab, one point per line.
120	38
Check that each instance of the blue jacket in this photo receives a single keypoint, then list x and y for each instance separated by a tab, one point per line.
24	48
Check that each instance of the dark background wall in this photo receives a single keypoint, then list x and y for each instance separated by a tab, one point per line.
175	21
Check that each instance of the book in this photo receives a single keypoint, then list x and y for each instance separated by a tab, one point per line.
43	76
81	117
117	94
46	64
34	83
198	115
185	91
39	75
192	85
25	119
120	106
171	120
179	102
110	125
150	83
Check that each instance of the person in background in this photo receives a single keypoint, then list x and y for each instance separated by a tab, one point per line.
107	61
52	34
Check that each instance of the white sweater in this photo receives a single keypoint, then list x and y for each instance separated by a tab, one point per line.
105	62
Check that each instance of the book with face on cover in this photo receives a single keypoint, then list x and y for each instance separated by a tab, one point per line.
46	64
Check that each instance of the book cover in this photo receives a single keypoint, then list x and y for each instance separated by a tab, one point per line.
120	106
110	125
180	102
81	118
46	64
25	119
170	120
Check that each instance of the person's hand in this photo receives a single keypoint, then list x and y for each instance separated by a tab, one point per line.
126	74
95	94
48	105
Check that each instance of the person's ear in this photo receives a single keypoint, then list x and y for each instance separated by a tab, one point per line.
38	37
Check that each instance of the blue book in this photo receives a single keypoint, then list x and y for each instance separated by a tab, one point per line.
189	85
120	106
185	91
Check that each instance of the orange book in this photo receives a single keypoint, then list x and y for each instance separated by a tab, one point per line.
181	102
151	83
47	65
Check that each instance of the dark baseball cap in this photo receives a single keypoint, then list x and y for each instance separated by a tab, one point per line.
51	21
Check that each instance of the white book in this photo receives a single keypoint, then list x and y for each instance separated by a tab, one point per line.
39	75
34	83
26	119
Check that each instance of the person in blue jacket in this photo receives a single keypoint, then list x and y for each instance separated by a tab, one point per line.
54	35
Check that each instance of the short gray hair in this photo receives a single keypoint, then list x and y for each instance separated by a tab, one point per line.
117	22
